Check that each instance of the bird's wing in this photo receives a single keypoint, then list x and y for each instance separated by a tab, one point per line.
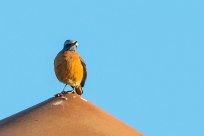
84	72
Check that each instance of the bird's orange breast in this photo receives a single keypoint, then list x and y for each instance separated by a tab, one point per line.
68	68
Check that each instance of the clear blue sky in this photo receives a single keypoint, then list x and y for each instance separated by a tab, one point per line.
145	58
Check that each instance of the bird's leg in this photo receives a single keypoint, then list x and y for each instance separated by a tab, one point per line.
74	91
62	93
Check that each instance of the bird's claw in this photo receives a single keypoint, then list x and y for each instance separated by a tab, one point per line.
71	91
61	95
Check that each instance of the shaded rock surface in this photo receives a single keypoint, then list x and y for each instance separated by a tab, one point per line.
58	117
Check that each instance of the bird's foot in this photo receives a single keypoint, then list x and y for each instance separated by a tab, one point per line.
61	95
71	91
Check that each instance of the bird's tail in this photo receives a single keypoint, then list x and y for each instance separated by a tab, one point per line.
79	90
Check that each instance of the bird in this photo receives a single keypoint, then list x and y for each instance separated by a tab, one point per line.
70	68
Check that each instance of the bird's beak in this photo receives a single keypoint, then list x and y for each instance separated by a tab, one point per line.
76	44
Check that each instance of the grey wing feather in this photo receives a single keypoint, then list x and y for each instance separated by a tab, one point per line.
84	73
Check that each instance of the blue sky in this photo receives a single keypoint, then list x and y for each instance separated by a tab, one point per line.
145	58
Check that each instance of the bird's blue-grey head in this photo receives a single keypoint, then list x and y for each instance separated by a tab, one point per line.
70	45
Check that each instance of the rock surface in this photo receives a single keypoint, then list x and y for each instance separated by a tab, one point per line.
58	117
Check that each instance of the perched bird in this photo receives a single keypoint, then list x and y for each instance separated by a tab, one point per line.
70	68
